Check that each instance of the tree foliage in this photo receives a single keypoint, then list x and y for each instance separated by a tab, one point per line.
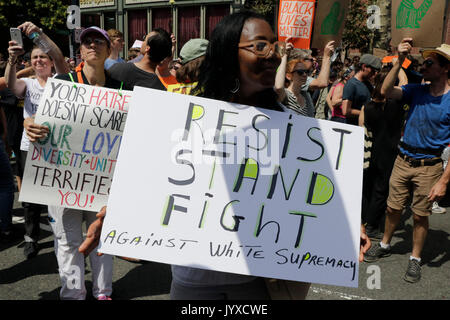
50	15
356	34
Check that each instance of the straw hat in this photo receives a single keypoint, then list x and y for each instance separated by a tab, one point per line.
443	50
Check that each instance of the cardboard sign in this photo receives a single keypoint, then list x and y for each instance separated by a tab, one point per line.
73	166
380	53
329	22
422	20
389	59
295	19
221	186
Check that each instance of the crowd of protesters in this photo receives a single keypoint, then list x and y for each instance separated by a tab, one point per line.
405	113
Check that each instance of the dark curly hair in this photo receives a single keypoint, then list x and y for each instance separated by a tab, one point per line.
220	69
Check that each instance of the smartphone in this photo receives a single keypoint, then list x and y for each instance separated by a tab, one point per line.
16	35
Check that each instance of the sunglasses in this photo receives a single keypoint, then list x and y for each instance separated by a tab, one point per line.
263	48
96	41
428	63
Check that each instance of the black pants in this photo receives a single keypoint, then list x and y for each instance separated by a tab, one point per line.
32	213
375	193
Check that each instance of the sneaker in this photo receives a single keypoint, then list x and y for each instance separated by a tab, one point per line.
437	209
30	250
103	297
413	272
376	252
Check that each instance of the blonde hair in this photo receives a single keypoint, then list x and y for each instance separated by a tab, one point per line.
114	33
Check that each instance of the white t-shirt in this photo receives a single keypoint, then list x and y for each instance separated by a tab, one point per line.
32	97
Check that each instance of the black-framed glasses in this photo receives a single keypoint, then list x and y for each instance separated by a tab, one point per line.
428	63
97	41
263	48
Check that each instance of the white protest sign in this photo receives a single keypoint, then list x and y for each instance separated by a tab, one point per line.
73	166
227	187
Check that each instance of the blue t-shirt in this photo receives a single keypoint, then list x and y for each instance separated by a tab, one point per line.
428	120
109	62
358	93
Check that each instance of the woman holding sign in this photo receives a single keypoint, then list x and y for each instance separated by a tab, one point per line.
67	223
240	67
43	58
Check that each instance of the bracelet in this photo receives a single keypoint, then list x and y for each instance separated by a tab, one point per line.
11	62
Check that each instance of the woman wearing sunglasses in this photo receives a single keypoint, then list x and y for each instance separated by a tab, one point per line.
291	76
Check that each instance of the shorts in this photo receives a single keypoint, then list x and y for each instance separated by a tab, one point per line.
406	179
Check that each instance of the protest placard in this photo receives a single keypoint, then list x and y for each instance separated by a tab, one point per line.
421	20
329	22
215	185
295	19
73	166
380	53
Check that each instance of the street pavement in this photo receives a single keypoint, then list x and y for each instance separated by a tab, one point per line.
38	279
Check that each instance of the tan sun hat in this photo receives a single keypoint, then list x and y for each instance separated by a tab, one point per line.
443	50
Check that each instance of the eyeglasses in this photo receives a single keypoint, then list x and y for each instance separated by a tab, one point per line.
97	41
263	48
428	63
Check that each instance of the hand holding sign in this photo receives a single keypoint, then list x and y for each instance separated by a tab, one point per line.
404	48
34	131
329	49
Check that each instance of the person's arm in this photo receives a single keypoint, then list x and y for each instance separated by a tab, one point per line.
25	73
361	117
364	243
18	87
336	98
437	192
93	234
402	78
330	105
280	77
388	89
61	65
322	80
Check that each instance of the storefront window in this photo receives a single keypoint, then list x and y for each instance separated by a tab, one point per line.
110	20
188	24
89	20
137	25
162	18
213	15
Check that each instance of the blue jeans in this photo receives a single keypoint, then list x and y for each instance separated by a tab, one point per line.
6	190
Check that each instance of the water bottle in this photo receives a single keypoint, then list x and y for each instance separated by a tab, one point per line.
41	43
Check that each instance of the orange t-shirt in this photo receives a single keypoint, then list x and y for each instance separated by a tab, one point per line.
166	81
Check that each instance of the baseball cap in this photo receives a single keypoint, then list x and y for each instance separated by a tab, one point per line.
193	49
443	50
95	29
371	61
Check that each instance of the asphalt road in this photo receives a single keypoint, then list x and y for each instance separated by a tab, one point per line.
38	279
